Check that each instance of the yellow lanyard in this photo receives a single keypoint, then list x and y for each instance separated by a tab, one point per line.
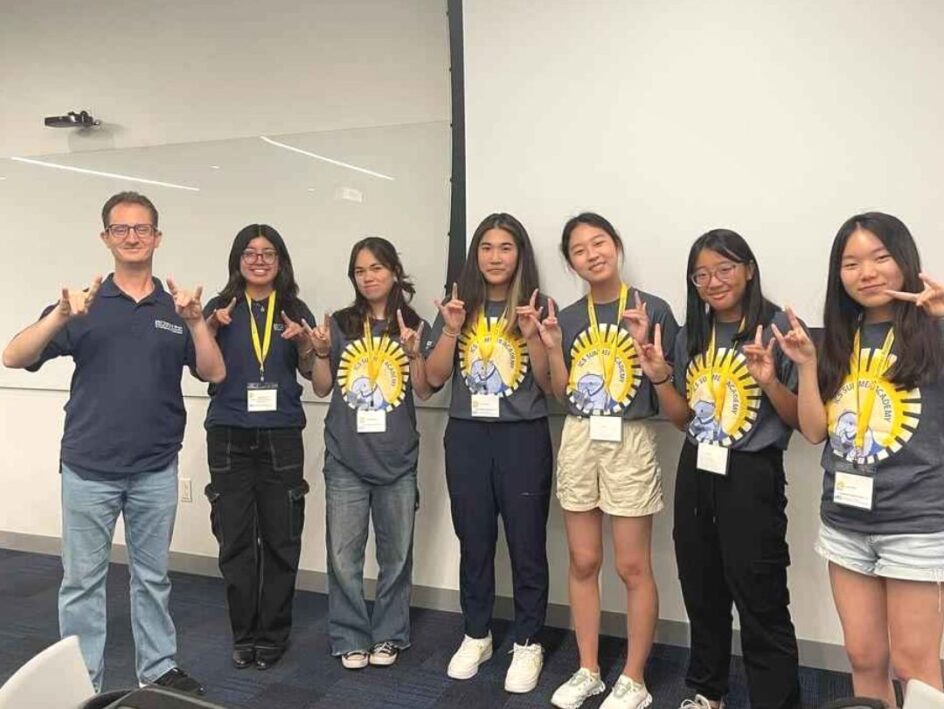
719	391
607	363
374	354
262	350
487	335
864	405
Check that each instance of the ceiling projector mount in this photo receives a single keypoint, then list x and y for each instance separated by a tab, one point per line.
82	119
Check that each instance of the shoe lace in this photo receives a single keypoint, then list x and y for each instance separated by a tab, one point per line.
625	685
525	653
699	702
385	648
578	678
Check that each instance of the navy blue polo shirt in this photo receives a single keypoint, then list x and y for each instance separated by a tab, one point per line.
228	398
125	412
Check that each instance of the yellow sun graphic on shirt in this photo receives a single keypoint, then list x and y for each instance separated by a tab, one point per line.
591	389
893	420
742	397
492	363
373	376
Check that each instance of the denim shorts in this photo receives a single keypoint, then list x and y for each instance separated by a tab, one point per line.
909	557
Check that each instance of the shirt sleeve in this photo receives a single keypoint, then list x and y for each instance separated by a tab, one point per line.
434	333
59	346
426	346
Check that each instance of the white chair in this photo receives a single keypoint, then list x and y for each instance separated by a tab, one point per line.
55	679
918	695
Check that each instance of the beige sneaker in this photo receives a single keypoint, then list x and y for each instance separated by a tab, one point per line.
582	685
471	653
525	668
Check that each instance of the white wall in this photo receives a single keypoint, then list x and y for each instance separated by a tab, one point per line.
778	119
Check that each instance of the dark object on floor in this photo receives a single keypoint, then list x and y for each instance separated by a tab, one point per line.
243	657
178	680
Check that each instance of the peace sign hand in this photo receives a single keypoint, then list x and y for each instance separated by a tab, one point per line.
293	331
549	328
760	358
529	317
221	317
186	302
320	336
796	344
652	359
409	338
78	302
930	299
637	321
453	311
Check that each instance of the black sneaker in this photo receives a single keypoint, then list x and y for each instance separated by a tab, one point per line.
179	680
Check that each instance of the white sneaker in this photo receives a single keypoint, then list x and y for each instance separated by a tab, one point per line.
471	653
627	694
699	702
525	668
581	685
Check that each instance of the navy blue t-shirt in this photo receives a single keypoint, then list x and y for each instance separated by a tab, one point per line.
228	398
125	412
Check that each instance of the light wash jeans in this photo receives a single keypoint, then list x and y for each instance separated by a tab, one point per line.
350	504
90	507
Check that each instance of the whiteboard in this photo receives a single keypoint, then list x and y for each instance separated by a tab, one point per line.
321	206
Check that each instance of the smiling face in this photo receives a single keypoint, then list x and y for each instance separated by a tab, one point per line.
497	257
374	280
134	248
867	270
259	263
721	282
593	254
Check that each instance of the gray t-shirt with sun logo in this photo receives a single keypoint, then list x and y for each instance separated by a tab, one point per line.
628	392
901	447
372	376
493	360
748	421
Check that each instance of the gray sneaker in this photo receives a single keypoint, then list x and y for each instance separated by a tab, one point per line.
575	691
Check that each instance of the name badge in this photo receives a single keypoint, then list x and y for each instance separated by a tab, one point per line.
853	490
371	421
712	458
606	428
485	406
262	396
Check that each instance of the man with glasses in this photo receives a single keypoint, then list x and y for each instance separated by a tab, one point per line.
130	340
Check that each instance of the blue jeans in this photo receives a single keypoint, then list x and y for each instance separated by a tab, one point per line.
350	504
90	507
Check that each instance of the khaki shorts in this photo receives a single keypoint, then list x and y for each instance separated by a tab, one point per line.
622	479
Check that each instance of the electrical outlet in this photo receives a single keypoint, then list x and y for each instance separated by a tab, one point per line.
186	490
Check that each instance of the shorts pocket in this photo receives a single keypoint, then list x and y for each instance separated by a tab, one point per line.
296	509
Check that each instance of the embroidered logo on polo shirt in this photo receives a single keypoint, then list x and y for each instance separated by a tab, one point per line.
169	326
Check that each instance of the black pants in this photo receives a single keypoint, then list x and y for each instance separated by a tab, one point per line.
257	498
730	543
491	469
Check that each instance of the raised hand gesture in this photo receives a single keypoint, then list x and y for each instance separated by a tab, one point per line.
549	328
320	336
760	358
931	299
637	321
221	317
795	343
453	312
529	317
186	302
652	359
409	338
78	302
293	331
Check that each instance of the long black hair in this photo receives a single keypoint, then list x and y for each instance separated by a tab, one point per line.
473	288
351	319
920	353
286	289
756	309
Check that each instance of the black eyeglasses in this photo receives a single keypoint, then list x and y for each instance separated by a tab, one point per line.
267	257
121	231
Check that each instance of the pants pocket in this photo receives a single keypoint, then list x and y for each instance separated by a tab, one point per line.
216	514
219	448
287	450
296	509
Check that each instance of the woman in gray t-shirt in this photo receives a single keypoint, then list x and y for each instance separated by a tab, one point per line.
874	392
368	356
